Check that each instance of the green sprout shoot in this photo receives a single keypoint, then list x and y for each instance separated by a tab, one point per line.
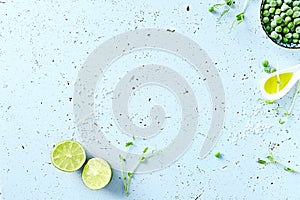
239	18
227	4
271	159
129	175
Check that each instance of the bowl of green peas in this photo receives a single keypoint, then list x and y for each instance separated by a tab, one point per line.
280	20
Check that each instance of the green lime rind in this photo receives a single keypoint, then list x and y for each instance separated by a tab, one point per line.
96	174
68	156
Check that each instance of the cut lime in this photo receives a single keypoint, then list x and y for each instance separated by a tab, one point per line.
96	174
68	156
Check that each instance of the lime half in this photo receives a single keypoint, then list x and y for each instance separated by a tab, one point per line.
96	174
68	156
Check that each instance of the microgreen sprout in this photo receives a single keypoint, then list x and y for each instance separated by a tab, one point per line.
129	175
271	159
239	18
227	5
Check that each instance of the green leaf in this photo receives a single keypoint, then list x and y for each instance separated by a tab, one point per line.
240	17
229	3
269	101
128	144
281	121
218	155
288	169
260	161
145	150
130	174
142	159
271	158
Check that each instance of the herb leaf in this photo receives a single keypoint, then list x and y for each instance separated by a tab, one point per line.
260	161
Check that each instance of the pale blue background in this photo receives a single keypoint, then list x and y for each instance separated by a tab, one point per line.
43	44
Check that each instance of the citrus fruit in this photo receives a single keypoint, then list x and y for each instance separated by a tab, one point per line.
96	174
68	156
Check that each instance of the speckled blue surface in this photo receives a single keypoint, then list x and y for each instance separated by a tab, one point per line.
44	43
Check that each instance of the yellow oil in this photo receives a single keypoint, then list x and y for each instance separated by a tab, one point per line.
273	85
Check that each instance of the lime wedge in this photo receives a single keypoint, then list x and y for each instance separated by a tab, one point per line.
96	174
68	156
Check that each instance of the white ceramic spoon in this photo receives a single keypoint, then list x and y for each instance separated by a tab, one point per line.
296	76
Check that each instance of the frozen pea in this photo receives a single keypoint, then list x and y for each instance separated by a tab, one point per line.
295	41
273	24
272	10
296	3
278	29
295	35
277	11
279	2
268	28
296	14
290	25
285	30
278	19
287	20
289	12
285	40
288	35
274	35
273	3
297	21
287	1
266	6
284	7
279	37
297	30
266	13
266	20
296	9
283	15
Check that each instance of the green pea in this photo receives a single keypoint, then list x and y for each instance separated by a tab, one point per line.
295	35
268	28
273	24
295	41
289	12
285	30
288	1
285	40
288	35
296	3
277	11
279	38
278	29
287	20
266	6
298	30
284	7
265	63
278	19
273	3
290	25
272	10
279	2
266	20
266	13
297	21
296	14
274	35
296	9
283	15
